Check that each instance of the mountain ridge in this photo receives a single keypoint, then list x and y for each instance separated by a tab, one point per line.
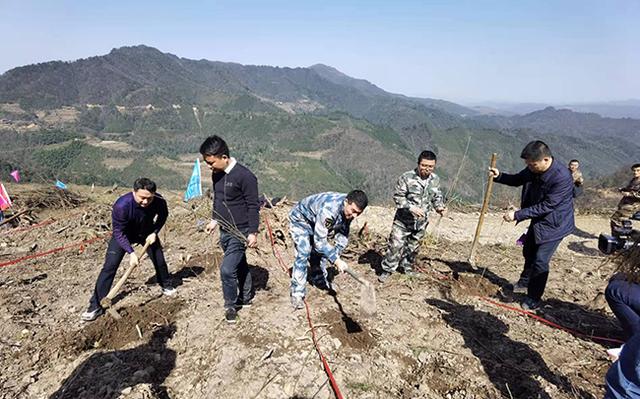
303	128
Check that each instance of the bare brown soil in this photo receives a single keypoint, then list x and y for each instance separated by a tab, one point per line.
433	336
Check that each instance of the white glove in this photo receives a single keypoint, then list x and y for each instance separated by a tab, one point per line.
133	259
151	238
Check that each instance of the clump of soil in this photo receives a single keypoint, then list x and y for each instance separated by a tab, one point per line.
107	374
210	262
473	284
350	332
107	332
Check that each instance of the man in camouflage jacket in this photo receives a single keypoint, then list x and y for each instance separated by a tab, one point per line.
312	222
630	202
417	192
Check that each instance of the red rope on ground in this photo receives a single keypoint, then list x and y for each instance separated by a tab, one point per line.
80	244
276	253
542	319
550	323
325	364
26	228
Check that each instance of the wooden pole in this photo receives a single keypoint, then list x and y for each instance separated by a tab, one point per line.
485	205
106	302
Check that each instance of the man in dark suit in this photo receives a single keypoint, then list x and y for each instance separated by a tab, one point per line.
546	200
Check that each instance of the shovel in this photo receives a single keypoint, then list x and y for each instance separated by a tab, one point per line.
106	302
367	293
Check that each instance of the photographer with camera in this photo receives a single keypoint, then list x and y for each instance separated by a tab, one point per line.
629	204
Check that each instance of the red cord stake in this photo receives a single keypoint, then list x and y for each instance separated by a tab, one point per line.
54	250
325	364
552	324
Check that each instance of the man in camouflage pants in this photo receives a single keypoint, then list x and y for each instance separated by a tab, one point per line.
312	222
417	192
630	202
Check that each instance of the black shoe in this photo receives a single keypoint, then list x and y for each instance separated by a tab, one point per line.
520	287
530	304
231	315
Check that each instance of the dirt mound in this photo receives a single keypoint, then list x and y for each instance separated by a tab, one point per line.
119	373
348	331
473	284
108	333
209	261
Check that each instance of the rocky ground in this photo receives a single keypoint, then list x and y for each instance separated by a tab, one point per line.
441	335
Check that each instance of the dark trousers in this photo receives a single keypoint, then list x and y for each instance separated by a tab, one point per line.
536	264
114	256
624	300
234	271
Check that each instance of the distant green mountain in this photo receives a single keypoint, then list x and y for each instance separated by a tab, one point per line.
139	111
564	122
610	109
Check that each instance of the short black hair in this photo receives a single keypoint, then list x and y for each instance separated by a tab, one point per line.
359	198
145	184
635	165
574	160
428	155
214	145
535	151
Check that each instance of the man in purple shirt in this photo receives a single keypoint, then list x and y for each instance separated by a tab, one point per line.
137	218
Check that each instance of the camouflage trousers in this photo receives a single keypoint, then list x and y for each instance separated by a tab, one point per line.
302	235
404	241
627	207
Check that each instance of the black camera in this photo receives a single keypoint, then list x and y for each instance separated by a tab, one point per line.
621	238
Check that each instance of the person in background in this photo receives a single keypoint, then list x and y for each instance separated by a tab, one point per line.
629	205
578	180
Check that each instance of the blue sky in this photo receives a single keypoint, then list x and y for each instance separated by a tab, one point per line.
520	51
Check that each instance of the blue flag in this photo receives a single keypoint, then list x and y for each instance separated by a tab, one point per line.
61	185
194	188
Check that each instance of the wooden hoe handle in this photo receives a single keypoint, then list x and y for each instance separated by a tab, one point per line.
106	301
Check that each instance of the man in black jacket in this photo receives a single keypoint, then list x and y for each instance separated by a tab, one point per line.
235	209
547	200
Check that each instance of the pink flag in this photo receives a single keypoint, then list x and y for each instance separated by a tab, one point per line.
16	175
5	201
